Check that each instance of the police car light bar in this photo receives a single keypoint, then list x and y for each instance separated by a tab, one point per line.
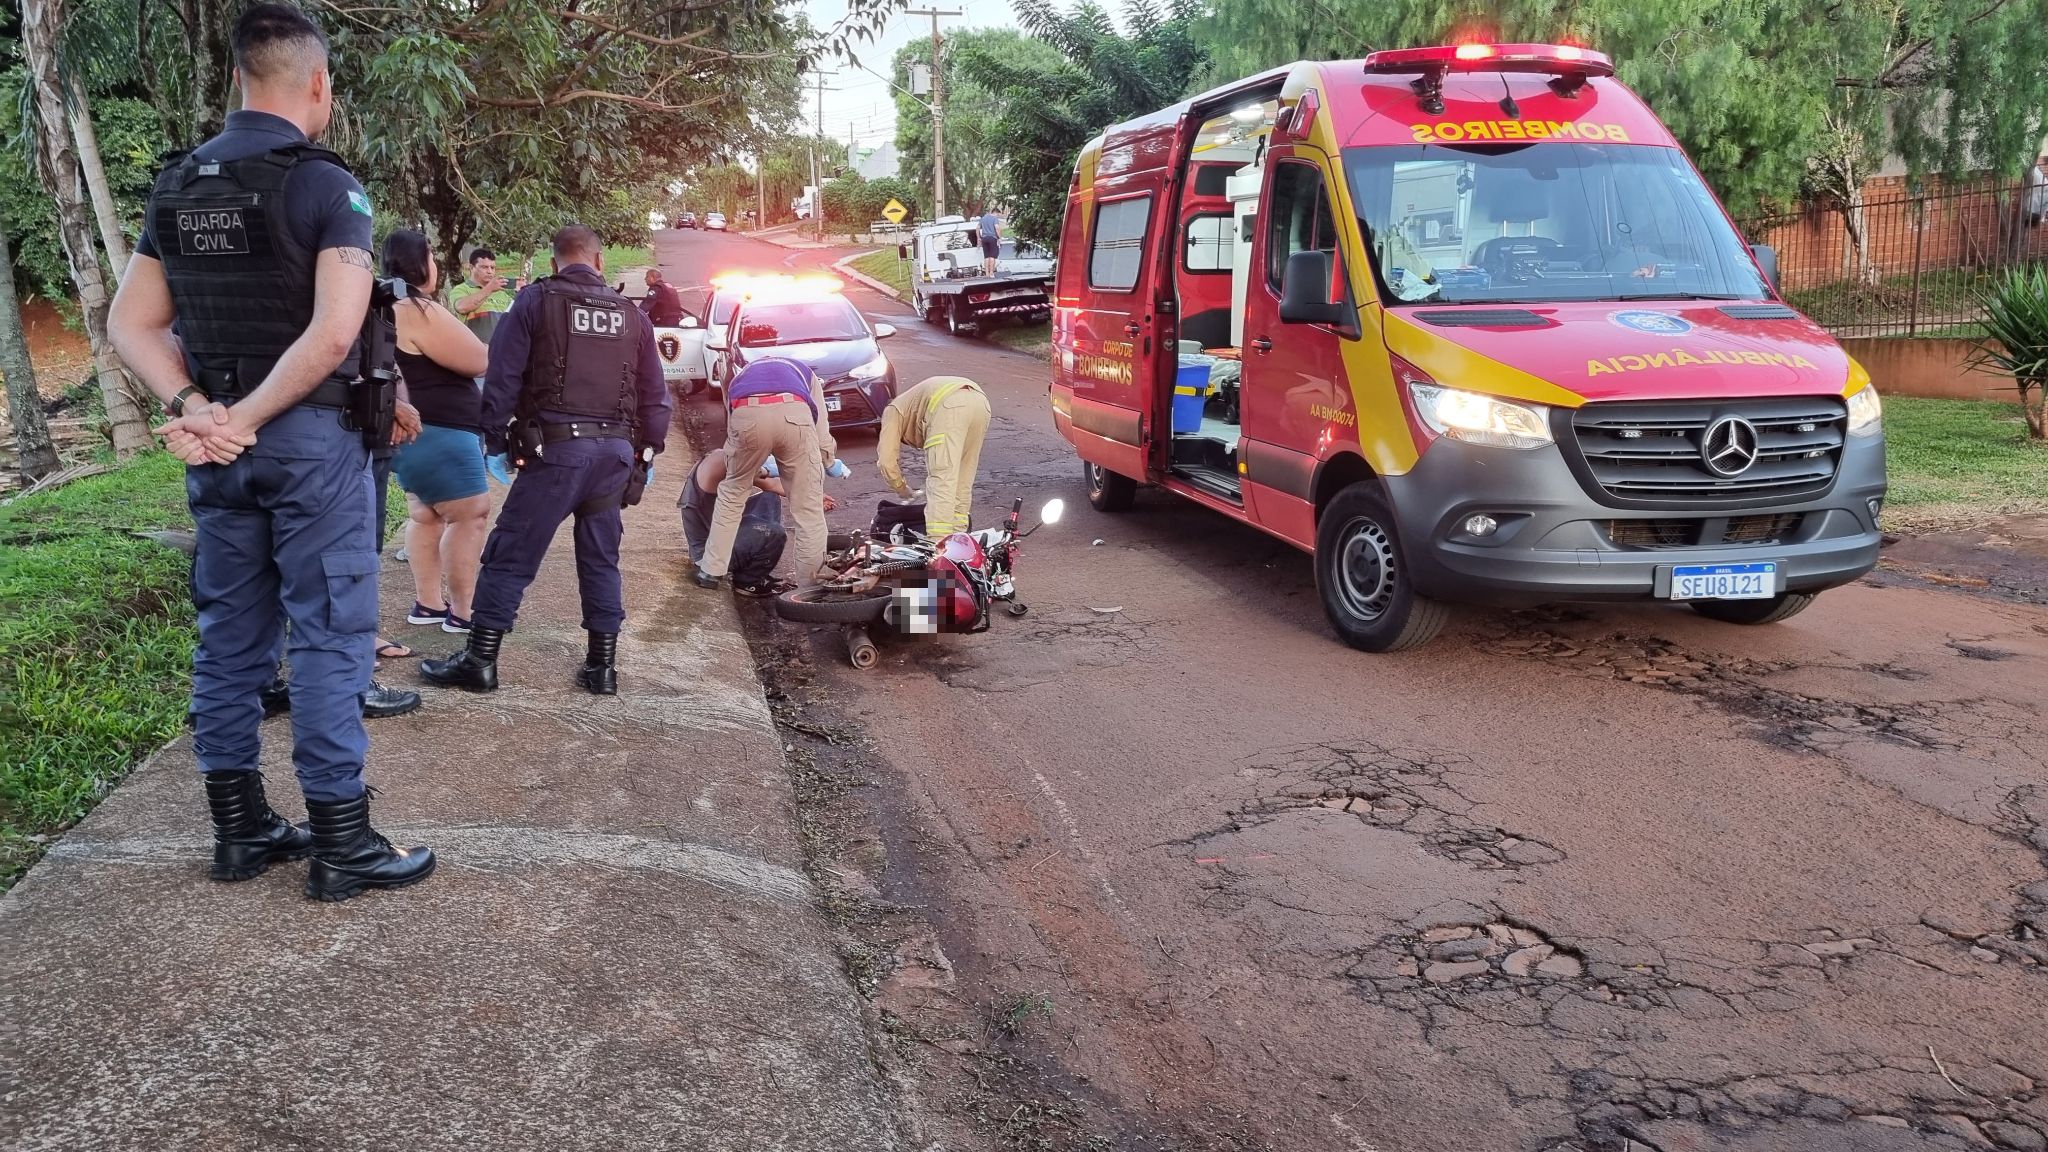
773	285
1546	59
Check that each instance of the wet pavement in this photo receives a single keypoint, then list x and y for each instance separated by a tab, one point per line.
1163	864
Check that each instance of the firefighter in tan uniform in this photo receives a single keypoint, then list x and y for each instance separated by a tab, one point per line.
946	416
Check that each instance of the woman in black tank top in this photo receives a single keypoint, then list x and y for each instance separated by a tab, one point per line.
442	471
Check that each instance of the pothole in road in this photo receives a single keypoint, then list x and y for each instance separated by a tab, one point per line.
1851	1102
1403	790
1789	719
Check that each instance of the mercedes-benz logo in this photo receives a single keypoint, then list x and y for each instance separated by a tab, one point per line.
1729	447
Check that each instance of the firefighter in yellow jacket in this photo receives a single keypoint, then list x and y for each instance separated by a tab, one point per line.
946	416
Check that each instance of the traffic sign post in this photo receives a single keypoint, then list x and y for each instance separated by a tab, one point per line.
895	211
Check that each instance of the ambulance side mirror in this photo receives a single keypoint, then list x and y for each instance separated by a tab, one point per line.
1305	291
689	322
884	331
1767	259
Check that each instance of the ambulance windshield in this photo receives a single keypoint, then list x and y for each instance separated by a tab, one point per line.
1545	222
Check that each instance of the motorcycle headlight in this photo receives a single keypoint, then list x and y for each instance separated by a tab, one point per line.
1866	413
1479	419
879	366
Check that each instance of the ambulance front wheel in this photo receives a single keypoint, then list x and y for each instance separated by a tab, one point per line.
1364	579
1108	491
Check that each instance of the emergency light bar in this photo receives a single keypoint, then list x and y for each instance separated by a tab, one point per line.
1545	59
769	286
1568	65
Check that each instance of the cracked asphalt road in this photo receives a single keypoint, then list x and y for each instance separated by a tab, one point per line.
1570	878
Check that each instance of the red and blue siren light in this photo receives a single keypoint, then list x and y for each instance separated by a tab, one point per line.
1548	59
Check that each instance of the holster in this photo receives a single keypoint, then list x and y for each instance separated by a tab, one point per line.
525	441
636	487
636	480
372	408
373	396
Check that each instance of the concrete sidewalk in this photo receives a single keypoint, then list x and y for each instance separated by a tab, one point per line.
619	950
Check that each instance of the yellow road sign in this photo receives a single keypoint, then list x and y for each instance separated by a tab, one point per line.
895	211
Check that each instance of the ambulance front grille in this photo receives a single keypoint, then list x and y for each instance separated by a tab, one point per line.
1651	452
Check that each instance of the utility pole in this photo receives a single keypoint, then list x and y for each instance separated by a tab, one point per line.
817	189
760	185
938	108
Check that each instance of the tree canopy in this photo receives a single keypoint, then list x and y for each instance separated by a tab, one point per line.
1765	94
1102	75
976	172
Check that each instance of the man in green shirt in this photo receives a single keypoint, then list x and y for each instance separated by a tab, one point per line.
485	290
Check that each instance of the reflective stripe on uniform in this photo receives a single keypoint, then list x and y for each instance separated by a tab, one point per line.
932	405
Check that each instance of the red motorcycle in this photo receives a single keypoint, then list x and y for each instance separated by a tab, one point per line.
895	576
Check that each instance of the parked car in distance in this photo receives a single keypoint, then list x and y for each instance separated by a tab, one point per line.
714	221
687	220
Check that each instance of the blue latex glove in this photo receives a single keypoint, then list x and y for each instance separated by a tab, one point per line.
650	471
839	470
771	467
499	467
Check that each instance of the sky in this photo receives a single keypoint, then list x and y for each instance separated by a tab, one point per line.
857	101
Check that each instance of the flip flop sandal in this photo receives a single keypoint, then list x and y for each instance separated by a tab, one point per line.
392	650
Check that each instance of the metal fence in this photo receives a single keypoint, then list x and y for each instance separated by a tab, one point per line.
1899	263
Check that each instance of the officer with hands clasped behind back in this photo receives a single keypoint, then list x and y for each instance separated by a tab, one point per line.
575	375
243	310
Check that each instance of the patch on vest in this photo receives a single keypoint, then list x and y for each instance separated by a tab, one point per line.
584	320
212	232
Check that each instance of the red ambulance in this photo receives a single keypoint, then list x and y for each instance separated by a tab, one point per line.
1466	324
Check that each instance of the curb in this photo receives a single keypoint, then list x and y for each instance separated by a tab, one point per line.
840	266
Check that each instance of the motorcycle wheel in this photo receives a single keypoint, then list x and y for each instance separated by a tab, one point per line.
833	605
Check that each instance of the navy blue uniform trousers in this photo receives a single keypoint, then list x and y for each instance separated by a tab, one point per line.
569	474
287	523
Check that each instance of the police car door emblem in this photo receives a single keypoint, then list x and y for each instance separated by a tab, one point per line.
584	320
212	232
1729	447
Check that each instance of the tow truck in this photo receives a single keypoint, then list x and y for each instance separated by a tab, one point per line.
948	288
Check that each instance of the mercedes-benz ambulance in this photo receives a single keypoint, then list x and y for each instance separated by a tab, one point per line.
1466	324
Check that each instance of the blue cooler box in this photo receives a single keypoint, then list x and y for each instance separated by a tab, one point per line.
1190	392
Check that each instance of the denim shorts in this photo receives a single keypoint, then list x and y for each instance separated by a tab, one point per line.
443	464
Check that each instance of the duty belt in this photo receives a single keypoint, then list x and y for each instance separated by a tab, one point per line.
584	430
222	387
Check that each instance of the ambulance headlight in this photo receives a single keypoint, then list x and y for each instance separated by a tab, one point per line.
1866	414
1479	419
879	366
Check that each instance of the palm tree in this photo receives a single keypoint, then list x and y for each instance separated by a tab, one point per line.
57	163
36	456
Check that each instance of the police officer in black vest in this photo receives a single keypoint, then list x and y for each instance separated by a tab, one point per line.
575	396
243	310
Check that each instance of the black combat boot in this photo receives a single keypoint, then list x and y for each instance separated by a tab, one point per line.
247	836
475	668
276	696
350	857
600	674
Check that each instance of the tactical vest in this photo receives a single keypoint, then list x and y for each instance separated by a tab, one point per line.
586	353
241	283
